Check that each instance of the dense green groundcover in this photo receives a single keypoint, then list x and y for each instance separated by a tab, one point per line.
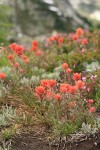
56	83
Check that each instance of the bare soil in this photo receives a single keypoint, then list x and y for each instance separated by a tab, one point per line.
35	137
34	140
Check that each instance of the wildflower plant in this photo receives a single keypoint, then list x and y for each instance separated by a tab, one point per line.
62	97
64	105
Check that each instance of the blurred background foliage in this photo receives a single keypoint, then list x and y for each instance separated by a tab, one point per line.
23	20
5	23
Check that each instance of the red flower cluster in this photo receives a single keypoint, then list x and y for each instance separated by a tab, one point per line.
89	104
92	109
52	83
65	66
84	41
48	83
53	38
16	48
67	88
57	97
60	40
2	75
26	61
25	58
79	31
91	101
16	65
80	84
75	37
40	90
39	53
45	83
45	88
76	76
10	57
35	48
71	93
34	45
73	90
64	88
68	70
49	94
79	37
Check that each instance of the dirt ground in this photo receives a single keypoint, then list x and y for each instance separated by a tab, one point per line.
36	141
35	137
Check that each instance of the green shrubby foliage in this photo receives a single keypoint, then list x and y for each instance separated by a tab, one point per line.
7	114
